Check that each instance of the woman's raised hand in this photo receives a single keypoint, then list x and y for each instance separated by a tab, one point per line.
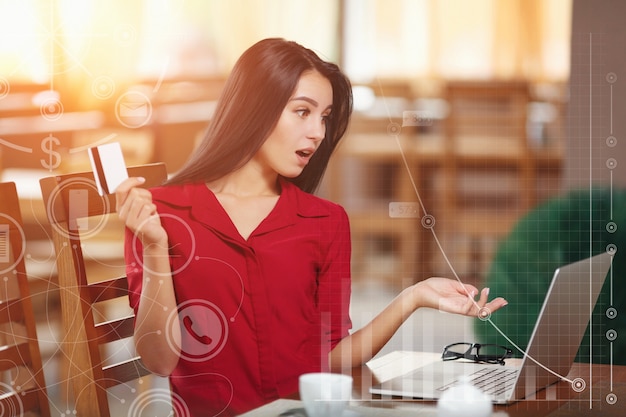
135	208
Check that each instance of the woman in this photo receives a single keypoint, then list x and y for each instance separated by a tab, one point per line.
239	277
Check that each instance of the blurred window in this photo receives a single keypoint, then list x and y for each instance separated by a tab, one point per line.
527	39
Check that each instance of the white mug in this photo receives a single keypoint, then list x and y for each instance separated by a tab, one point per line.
325	394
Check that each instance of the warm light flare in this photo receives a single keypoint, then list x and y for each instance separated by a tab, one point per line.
21	50
43	38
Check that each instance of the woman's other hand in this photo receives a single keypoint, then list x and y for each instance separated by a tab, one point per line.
452	296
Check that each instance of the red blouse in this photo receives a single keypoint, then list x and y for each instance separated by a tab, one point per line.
257	313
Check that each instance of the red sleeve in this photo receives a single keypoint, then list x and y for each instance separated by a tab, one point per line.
334	280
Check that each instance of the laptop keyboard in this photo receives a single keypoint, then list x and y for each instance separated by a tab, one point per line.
490	380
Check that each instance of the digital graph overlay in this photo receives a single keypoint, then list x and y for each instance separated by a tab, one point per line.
428	221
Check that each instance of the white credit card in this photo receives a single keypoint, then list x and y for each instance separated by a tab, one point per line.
109	168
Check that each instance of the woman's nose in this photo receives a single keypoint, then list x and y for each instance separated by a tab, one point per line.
318	130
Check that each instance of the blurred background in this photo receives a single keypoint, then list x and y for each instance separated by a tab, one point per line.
147	74
468	114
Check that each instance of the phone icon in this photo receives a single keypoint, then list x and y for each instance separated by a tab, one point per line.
188	323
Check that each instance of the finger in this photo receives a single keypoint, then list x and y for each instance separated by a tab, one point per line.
496	304
485	311
470	290
145	213
468	307
135	197
475	307
484	296
481	307
122	190
462	287
139	208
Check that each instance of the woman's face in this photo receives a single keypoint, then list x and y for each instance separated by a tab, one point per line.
300	128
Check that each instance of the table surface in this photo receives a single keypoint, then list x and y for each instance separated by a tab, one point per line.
605	384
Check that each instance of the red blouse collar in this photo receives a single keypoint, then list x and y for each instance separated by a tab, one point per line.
205	208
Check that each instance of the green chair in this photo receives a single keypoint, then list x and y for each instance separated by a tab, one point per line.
558	232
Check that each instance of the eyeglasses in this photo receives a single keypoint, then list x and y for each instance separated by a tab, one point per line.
476	352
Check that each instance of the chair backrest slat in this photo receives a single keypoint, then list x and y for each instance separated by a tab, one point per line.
108	290
124	371
20	402
12	311
113	330
14	354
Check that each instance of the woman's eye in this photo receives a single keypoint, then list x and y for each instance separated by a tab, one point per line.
302	112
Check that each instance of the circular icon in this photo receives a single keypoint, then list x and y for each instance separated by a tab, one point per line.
484	314
125	35
158	399
394	129
611	312
611	77
10	408
75	53
189	257
6	232
76	197
611	163
5	87
133	109
204	330
579	385
611	398
611	248
428	221
51	109
103	87
611	335
611	141
611	227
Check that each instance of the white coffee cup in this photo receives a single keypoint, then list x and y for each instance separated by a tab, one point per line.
325	394
464	400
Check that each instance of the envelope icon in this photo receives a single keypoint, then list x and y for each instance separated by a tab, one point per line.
134	109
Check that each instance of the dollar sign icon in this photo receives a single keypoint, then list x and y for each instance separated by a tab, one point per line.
54	158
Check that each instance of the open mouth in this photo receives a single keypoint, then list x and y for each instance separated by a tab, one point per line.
304	153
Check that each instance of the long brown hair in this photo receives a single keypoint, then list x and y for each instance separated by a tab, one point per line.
253	98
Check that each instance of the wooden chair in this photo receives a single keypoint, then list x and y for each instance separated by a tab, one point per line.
488	165
22	388
77	214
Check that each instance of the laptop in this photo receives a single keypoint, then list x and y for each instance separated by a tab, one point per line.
553	344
